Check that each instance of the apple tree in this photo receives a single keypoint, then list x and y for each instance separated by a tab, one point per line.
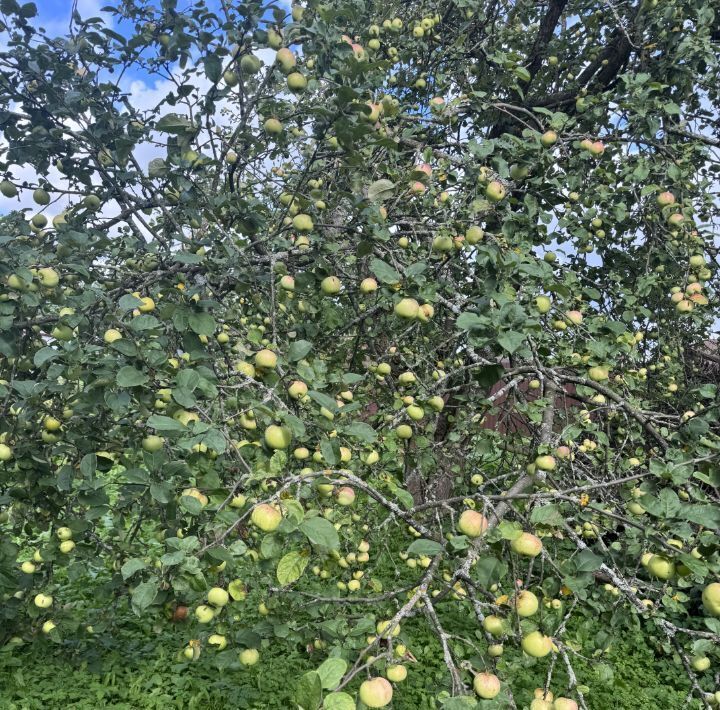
319	323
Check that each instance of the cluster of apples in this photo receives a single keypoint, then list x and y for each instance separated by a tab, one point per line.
347	562
545	700
595	148
217	599
686	299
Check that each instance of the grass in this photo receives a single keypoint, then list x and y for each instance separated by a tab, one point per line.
133	663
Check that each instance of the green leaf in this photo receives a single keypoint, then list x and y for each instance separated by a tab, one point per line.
130	567
424	547
665	505
522	73
361	430
213	67
320	532
706	515
547	515
191	504
291	567
338	701
308	693
143	596
88	465
160	492
384	271
128	302
174	123
331	672
144	322
45	355
587	561
469	321
323	400
330	451
201	323
381	190
490	570
298	350
164	424
463	702
128	376
511	340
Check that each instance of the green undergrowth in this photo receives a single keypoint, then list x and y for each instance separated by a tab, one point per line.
134	665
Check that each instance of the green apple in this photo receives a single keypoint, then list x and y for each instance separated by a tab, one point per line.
543	304
575	317
237	590
204	614
545	463
436	403
415	412
407	308
700	663
711	599
297	389
474	234
442	244
48	626
527	545
296	82
49	278
64	534
598	374
330	285
111	335
278	437
368	285
486	685
303	223
266	359
472	523
536	644
495	191
8	189
526	604
195	493
6	452
345	496
565	704
548	139
494	625
266	517
238	501
286	59
231	78
217	640
665	199
250	64
396	673
249	656
217	596
43	601
153	443
661	567
376	693
273	126
41	197
28	567
67	546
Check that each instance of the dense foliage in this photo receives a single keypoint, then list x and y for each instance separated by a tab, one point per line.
366	316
